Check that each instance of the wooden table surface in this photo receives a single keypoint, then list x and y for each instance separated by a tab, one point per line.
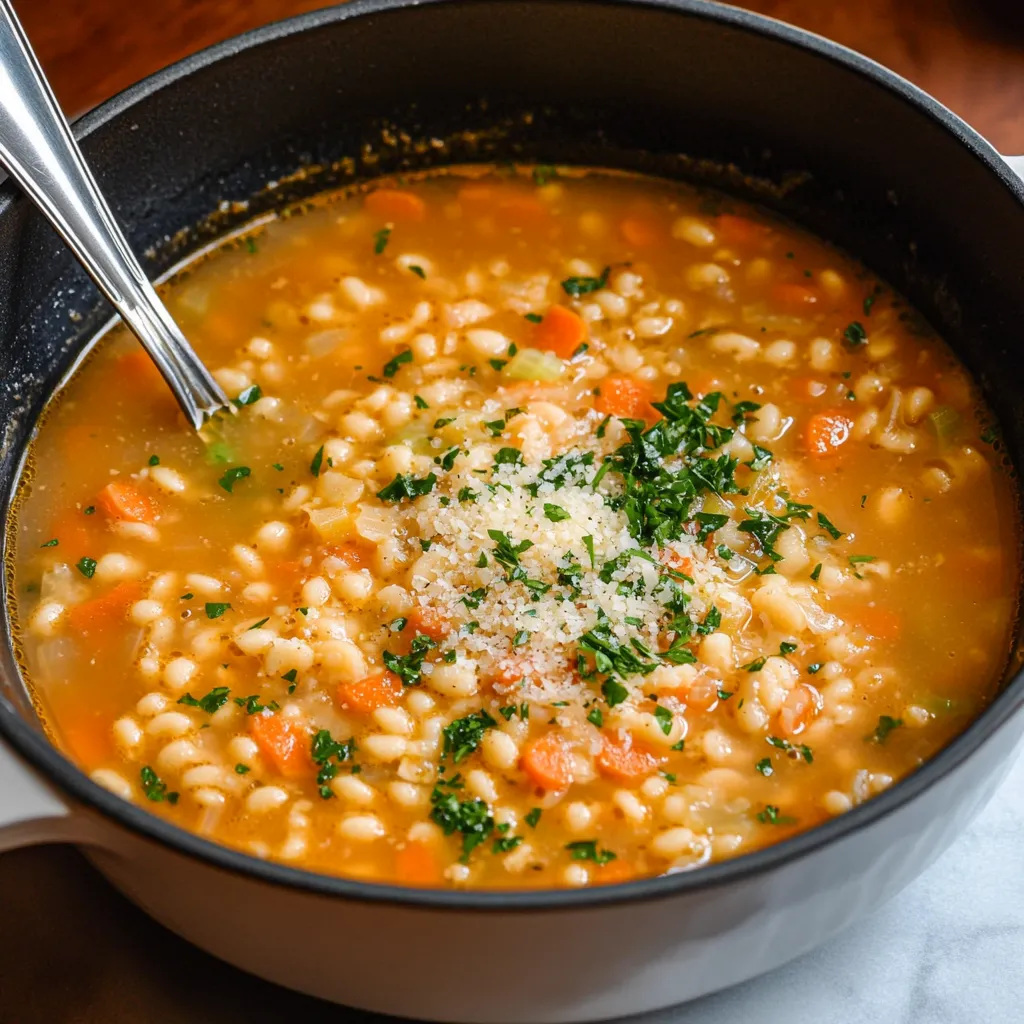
71	950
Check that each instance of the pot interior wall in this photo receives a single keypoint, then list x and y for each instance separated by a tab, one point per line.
677	89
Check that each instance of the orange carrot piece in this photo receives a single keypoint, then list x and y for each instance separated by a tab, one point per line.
477	194
137	369
379	690
430	622
548	761
516	209
89	741
795	297
395	204
612	873
355	556
826	432
284	743
701	694
802	704
107	610
123	500
881	623
417	864
561	331
642	232
622	395
676	561
734	230
73	535
626	761
807	387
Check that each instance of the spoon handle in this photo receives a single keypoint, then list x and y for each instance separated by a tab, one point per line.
40	153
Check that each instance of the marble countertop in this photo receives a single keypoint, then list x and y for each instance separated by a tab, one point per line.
948	950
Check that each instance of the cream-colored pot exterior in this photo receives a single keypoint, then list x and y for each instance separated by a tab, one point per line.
532	965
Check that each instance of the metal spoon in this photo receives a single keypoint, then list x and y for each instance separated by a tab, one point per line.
40	153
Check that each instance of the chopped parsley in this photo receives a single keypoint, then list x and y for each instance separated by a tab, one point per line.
463	736
318	461
801	748
86	566
242	769
886	724
575	287
253	706
232	476
854	334
754	666
471	818
586	849
418	271
50	543
532	817
829	527
771	816
328	754
215	609
249	396
154	788
381	239
392	365
764	766
555	513
406	486
212	702
663	717
409	667
533	318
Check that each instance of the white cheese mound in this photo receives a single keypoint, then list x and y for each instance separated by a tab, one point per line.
448	574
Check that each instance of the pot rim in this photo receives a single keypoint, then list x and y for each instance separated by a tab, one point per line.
31	744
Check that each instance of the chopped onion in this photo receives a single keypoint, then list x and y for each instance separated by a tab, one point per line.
533	364
944	421
325	342
56	659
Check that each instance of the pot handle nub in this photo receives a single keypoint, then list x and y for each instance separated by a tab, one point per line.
31	811
1016	164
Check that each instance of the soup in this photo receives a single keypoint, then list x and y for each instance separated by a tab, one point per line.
572	528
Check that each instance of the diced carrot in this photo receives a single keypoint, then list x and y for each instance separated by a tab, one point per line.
622	395
107	610
795	297
284	742
74	535
642	232
477	194
508	675
121	499
881	623
380	690
735	230
548	761
417	864
827	431
625	761
430	622
613	872
701	694
89	741
395	204
355	556
561	331
807	387
676	561
517	209
802	704
137	369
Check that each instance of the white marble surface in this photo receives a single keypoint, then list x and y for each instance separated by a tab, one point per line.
948	950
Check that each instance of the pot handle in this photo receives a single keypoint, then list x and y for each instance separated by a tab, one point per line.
1016	164
31	811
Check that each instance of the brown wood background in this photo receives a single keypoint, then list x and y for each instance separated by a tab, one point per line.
968	53
71	950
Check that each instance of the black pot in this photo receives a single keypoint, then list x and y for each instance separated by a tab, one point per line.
683	88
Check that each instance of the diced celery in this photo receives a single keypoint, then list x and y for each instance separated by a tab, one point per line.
945	421
533	364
